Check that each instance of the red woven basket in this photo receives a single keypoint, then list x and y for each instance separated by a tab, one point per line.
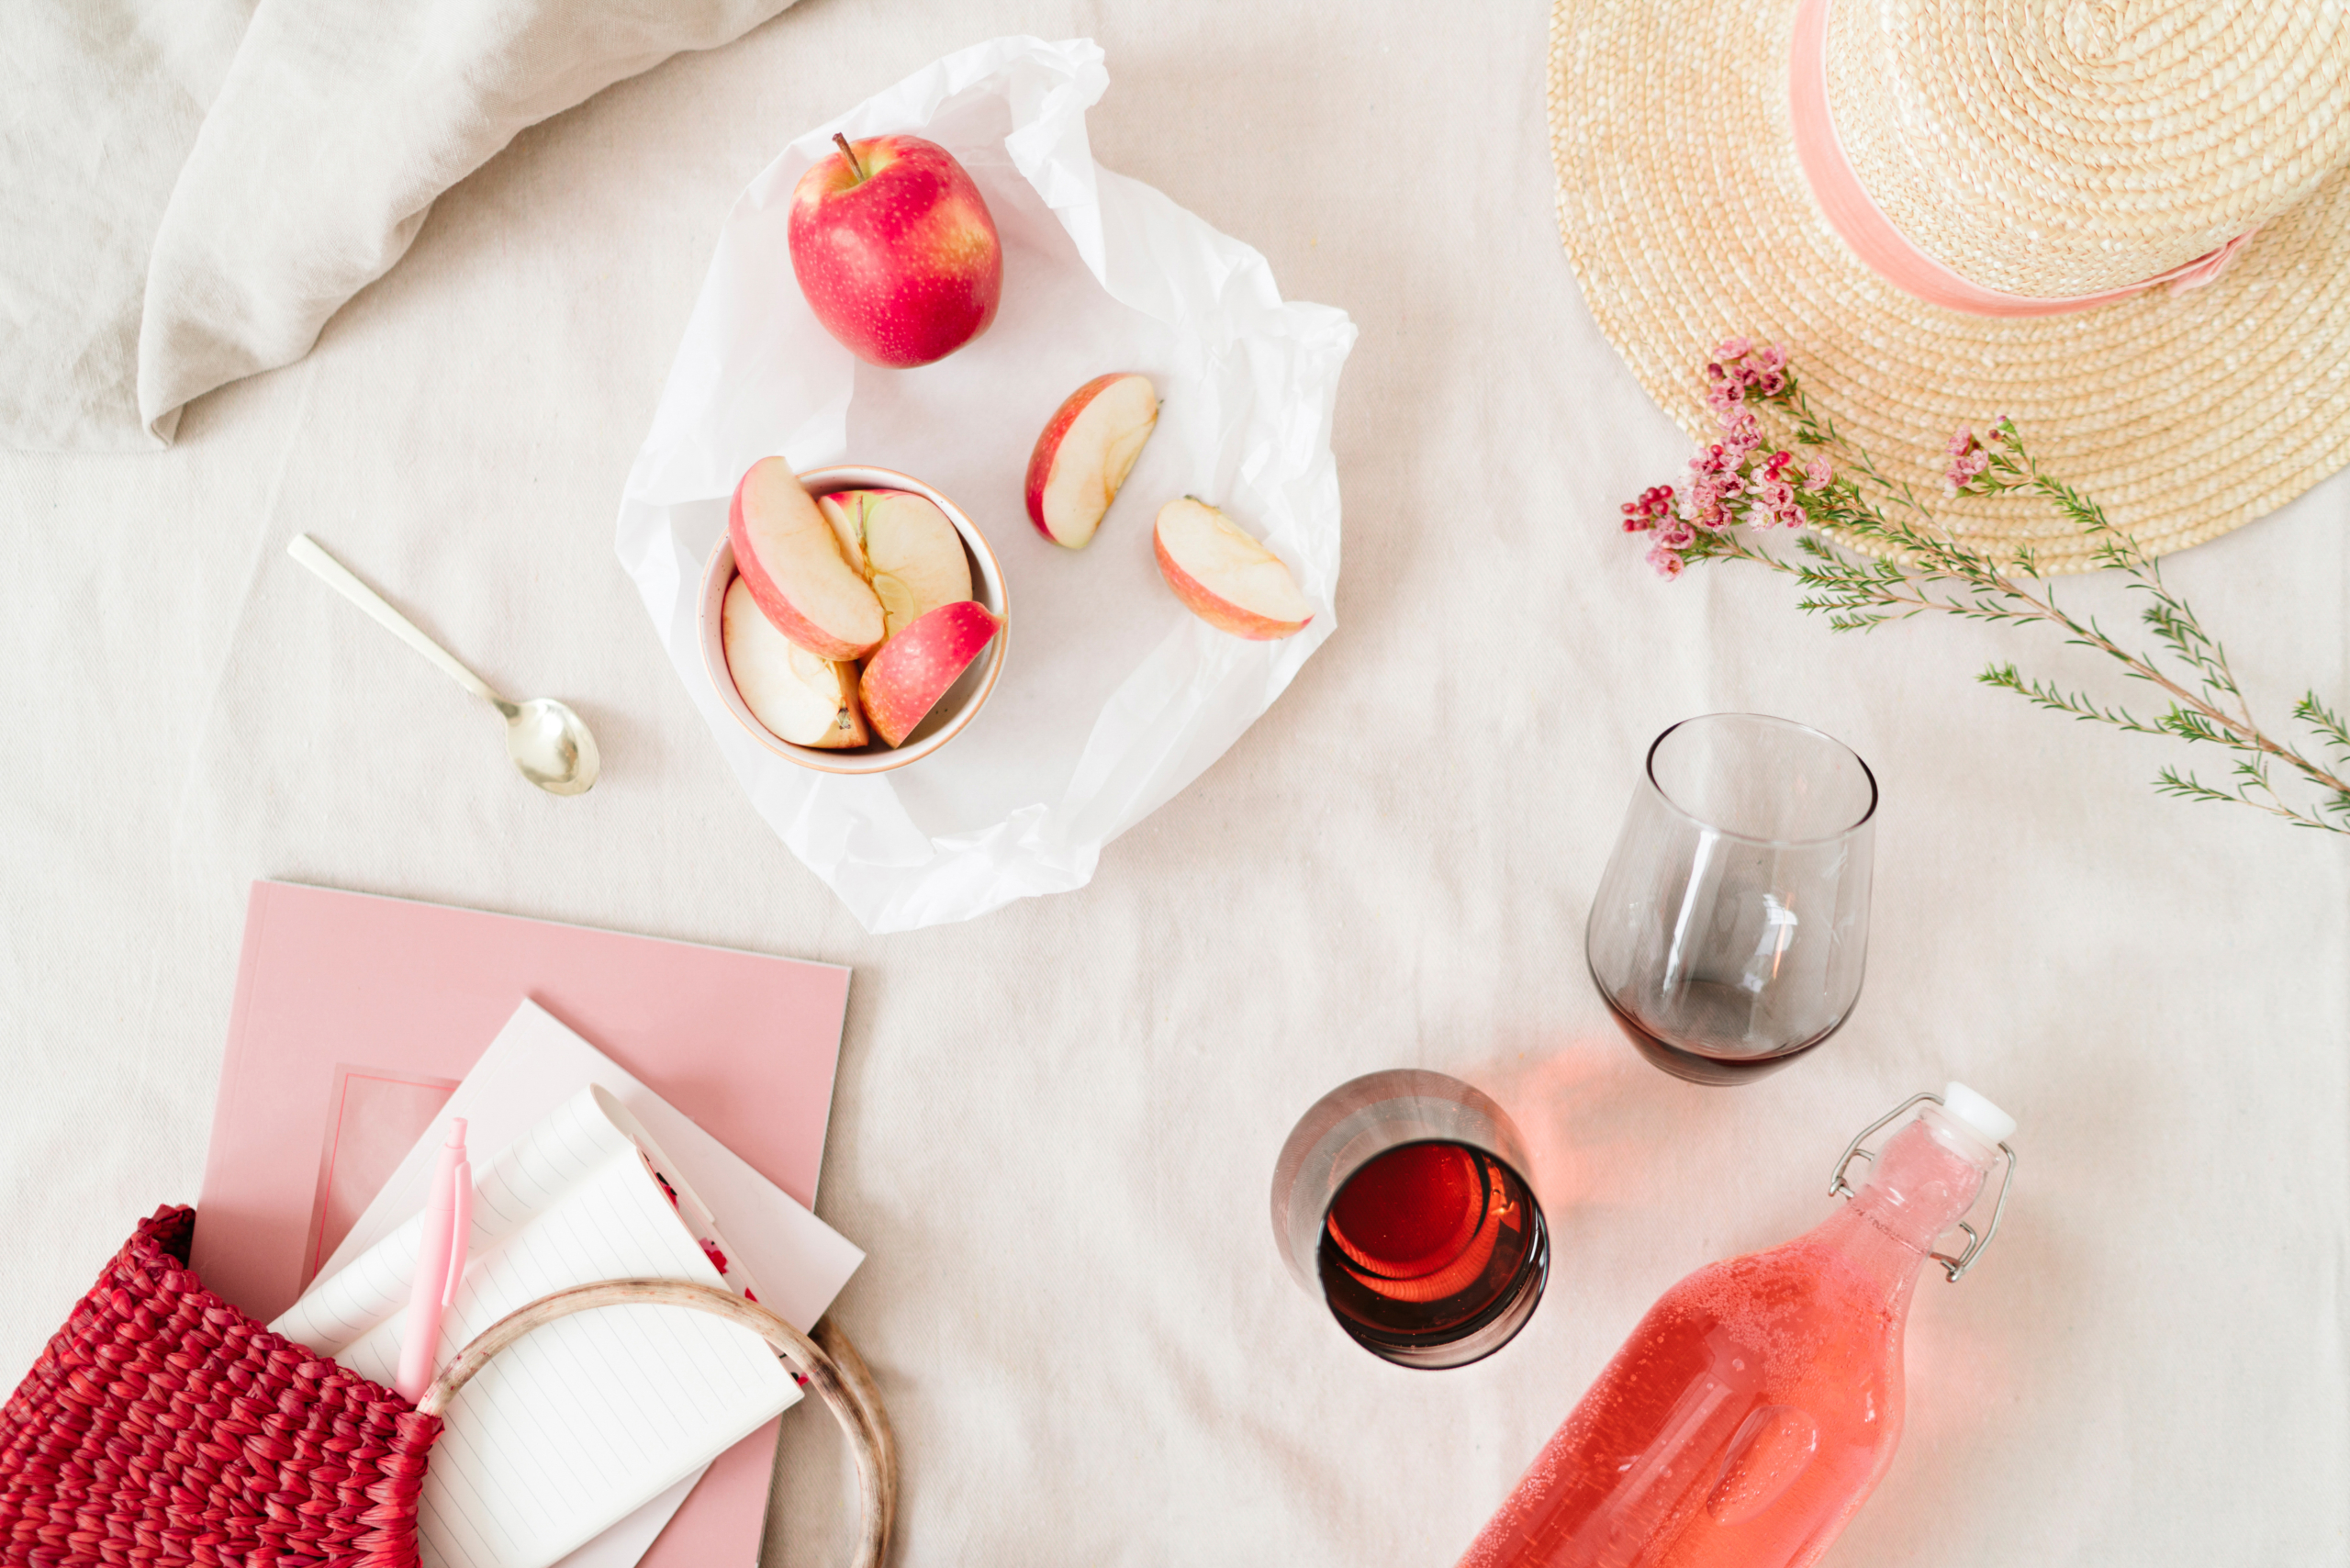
163	1426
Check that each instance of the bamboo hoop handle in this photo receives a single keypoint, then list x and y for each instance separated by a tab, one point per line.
827	1363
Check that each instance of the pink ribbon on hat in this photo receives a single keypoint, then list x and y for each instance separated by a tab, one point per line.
1879	242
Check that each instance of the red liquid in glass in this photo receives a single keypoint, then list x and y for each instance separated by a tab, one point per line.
1758	1403
1429	1243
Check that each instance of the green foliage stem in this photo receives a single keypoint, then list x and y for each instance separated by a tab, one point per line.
1909	564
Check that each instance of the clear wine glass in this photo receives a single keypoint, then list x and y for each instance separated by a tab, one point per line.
1730	928
1401	1201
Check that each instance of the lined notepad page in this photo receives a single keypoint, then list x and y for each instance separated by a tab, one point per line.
583	1420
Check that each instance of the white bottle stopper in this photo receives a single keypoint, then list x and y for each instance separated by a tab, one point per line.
1977	1114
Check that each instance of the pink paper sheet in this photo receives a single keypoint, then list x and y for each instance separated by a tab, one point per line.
373	1117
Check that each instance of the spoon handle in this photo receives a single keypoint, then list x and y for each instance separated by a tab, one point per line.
339	577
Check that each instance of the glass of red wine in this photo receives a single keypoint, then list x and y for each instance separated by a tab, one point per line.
1731	925
1401	1200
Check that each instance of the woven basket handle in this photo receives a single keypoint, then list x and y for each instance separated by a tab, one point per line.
827	1361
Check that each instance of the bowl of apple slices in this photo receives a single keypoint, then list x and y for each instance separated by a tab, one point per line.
851	618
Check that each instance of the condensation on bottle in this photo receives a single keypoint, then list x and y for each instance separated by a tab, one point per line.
1759	1401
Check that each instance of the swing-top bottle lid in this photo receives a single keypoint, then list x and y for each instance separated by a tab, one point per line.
1977	1114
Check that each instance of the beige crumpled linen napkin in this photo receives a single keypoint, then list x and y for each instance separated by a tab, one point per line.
100	101
336	124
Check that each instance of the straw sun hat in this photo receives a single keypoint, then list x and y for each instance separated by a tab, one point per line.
2126	223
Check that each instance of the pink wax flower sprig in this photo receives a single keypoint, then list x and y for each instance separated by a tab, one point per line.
1968	460
1733	480
1741	484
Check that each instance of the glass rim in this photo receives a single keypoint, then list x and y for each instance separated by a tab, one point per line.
1868	813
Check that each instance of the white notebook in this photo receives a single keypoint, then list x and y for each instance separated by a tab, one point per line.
583	1420
533	1065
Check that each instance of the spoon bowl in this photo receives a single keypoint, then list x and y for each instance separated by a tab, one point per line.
552	746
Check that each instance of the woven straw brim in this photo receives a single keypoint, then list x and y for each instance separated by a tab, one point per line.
2123	139
1688	220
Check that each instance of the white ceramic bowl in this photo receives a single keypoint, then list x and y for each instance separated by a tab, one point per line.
955	710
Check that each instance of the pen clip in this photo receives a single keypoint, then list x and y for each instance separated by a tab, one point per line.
461	1229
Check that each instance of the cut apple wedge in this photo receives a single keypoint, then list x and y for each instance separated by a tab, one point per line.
1088	449
904	682
793	564
1225	577
800	697
904	548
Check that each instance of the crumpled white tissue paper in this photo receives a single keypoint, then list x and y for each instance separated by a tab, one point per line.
1113	697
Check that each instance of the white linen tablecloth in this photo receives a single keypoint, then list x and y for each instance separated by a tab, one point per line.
1055	1126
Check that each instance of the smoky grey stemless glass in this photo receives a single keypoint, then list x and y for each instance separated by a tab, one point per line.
1731	926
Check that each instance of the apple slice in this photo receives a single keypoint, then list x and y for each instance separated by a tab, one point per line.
791	562
913	669
903	546
1088	449
800	698
1225	577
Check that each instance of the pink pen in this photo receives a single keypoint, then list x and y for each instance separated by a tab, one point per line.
439	1262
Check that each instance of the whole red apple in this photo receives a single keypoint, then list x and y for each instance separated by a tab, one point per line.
896	250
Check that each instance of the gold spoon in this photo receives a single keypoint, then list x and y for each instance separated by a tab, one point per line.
547	741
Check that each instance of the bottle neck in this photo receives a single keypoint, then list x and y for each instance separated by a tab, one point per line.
1927	1176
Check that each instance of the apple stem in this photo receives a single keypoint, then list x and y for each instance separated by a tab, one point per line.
850	153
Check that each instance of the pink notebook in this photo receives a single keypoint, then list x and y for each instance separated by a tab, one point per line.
356	1016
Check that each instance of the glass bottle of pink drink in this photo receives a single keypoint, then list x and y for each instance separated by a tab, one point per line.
1759	1401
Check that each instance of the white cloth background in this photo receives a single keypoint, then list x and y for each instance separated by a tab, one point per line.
1055	1126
